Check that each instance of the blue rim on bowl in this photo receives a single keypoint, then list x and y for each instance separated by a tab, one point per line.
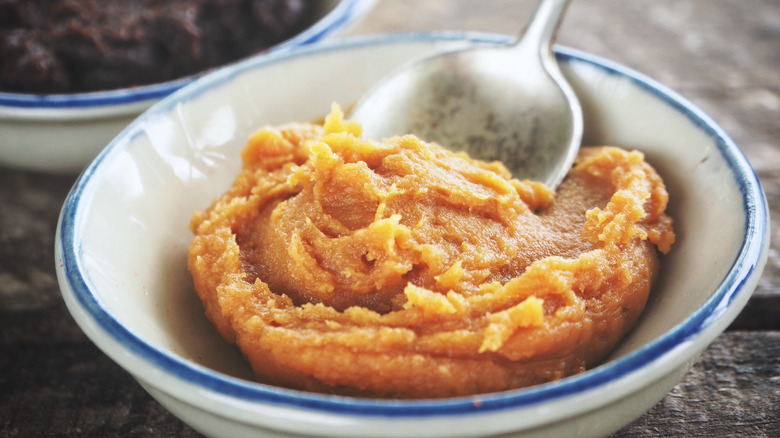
345	12
752	249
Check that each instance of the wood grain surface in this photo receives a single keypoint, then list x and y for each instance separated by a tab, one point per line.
722	55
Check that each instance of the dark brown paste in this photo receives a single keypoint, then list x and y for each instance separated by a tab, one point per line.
62	46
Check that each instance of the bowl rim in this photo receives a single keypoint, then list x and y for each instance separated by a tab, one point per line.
341	15
747	263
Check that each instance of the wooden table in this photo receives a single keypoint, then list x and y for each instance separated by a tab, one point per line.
723	55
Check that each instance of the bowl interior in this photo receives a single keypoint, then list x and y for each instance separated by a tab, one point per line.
131	208
706	198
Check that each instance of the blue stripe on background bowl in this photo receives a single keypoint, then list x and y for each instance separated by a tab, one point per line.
63	132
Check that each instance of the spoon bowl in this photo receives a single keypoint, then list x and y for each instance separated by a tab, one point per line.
508	103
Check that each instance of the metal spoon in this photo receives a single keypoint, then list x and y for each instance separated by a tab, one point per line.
508	103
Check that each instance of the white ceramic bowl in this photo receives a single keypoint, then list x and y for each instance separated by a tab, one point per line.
123	236
64	132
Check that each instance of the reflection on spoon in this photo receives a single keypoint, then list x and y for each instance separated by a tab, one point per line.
508	103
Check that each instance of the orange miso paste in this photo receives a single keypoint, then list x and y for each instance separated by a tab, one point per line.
397	268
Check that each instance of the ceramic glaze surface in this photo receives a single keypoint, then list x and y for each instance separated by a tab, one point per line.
123	235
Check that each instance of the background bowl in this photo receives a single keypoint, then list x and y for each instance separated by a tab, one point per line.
64	132
123	235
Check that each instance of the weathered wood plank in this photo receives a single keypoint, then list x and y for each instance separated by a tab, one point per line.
29	207
55	382
733	390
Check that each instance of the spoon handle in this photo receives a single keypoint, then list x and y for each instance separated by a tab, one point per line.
540	31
